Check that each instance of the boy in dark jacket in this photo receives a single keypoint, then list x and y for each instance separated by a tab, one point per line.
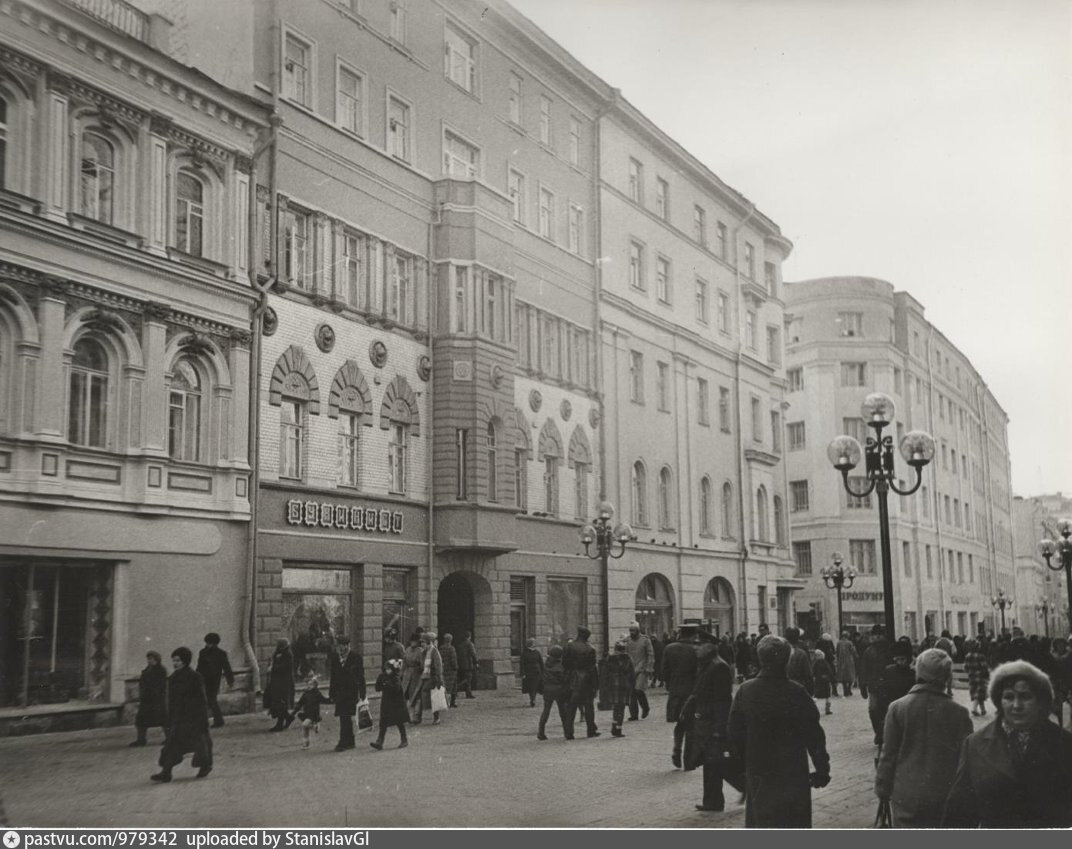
554	689
308	709
393	709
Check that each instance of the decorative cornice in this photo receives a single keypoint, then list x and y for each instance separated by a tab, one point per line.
157	311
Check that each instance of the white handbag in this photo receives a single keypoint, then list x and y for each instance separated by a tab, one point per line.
439	699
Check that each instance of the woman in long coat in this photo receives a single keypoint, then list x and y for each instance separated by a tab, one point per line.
449	654
978	677
431	677
279	692
152	697
616	681
531	671
412	666
187	720
846	663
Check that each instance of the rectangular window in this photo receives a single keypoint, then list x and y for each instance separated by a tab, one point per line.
701	301
545	120
461	299
400	293
398	129
925	502
802	556
636	182
774	344
723	312
750	330
703	400
930	562
396	459
663	385
854	374
770	277
349	97
349	450
398	20
960	568
295	247
547	214
662	279
521	479
699	225
514	108
291	433
636	376
856	428
461	160
776	431
724	409
948	510
461	454
858	483
906	558
898	383
576	228
297	71
550	484
352	285
795	376
757	420
720	229
862	555
850	324
580	490
750	260
797	436
636	266
460	60
662	198
574	141
798	496
567	608
516	189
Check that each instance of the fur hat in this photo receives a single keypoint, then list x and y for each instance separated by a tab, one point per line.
183	654
1035	677
773	652
583	633
933	665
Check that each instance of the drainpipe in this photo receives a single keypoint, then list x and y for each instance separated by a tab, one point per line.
433	312
937	499
741	568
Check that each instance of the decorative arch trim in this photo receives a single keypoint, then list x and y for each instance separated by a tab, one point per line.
293	377
350	394
580	451
522	440
550	444
105	324
198	347
14	305
400	406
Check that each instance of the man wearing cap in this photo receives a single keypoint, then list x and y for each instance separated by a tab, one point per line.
347	688
640	651
679	672
709	708
922	736
773	729
895	681
799	668
582	682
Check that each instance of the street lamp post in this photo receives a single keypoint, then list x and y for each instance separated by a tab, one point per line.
837	578
1049	547
1001	601
604	538
917	449
1043	610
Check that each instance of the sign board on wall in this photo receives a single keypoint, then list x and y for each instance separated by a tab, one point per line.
324	514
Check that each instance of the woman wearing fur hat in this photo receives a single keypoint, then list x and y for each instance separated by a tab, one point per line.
1017	771
921	742
822	676
392	705
152	697
187	720
616	685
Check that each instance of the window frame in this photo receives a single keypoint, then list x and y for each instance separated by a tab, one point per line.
636	181
546	126
94	414
663	280
637	277
183	210
112	170
361	111
408	139
471	70
662	199
515	103
349	436
473	169
292	440
546	222
636	377
397	458
574	152
197	431
702	301
575	229
309	100
699	225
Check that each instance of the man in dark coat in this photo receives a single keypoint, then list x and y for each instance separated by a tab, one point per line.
467	665
346	690
657	647
679	672
582	682
709	707
895	681
799	668
773	728
875	658
152	698
212	666
187	720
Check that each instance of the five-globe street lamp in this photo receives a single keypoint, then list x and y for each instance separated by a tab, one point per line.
1002	601
1043	610
1048	548
837	578
917	449
601	535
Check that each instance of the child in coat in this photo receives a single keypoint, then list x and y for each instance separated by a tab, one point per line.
393	709
822	676
308	709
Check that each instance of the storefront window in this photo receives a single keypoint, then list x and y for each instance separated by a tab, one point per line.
566	608
316	610
399	608
655	606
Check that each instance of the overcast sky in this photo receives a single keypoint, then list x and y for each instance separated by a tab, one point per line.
924	143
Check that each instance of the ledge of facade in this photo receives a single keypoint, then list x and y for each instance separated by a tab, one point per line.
765	458
20	203
217	269
105	231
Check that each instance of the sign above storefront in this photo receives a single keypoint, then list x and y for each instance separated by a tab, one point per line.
860	595
324	514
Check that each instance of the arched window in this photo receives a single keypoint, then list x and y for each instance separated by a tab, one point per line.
184	413
493	463
349	449
655	605
640	494
666	498
705	505
718	606
189	214
98	177
779	520
396	457
727	510
87	410
762	525
291	438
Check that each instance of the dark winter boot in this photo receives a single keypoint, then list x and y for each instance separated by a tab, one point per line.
405	742
162	777
279	724
616	731
141	741
377	744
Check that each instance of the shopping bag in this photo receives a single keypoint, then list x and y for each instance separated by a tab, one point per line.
883	816
439	699
364	715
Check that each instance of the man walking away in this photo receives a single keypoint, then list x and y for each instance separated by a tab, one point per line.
709	708
640	651
582	681
679	672
799	668
212	665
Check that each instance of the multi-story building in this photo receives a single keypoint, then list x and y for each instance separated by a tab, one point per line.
1040	596
125	312
952	540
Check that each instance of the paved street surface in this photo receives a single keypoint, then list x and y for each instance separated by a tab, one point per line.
482	767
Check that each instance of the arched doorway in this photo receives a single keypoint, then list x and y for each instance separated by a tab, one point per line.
455	608
464	604
654	605
718	606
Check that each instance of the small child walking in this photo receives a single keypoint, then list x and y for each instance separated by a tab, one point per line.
308	709
823	677
393	709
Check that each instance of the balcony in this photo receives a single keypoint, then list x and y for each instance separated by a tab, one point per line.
117	15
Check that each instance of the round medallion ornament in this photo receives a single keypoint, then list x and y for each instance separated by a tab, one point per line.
325	338
424	367
497	376
593	417
269	322
565	409
535	400
378	354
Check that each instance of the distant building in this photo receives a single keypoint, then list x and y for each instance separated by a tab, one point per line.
1035	519
952	546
